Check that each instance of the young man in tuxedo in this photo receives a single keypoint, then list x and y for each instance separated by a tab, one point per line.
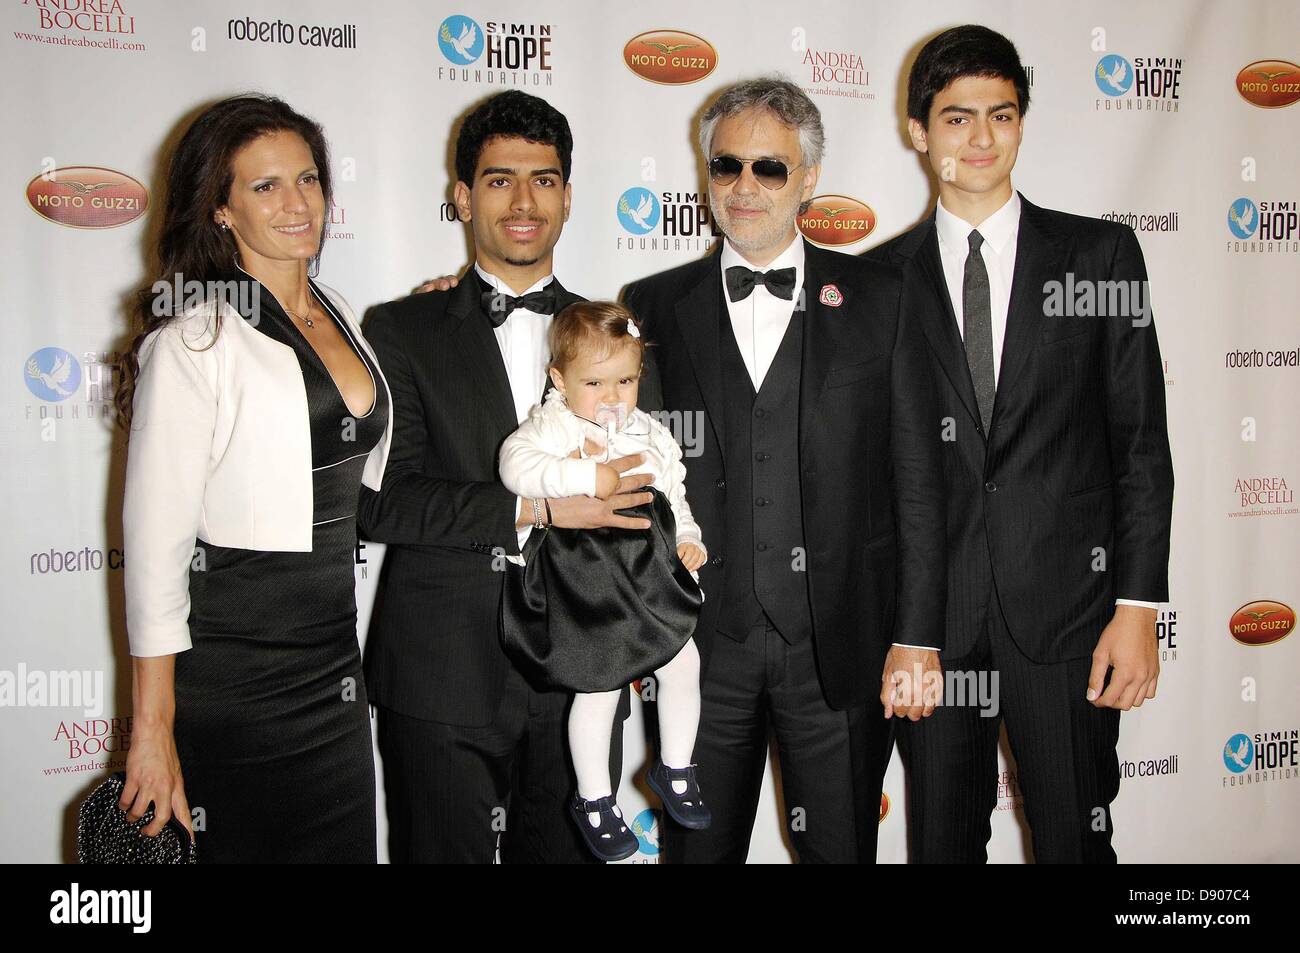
817	487
1059	479
466	743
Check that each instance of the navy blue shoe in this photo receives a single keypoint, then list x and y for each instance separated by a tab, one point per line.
688	808
611	840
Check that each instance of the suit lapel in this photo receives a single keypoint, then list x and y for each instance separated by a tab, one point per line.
939	321
1039	252
480	353
700	313
825	331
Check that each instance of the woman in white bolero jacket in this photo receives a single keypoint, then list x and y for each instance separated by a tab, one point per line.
255	411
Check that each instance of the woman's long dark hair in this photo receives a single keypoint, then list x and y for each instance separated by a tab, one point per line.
199	179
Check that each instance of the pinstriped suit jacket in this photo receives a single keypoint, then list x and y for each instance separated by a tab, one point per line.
1065	504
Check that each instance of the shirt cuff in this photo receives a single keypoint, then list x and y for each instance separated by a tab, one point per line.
1137	602
521	534
904	645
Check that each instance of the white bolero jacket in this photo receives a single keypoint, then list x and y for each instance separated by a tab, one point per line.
219	450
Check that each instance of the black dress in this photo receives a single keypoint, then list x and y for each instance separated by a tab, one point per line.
272	720
594	609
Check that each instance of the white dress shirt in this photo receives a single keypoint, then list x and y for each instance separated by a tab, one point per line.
522	339
1001	232
760	321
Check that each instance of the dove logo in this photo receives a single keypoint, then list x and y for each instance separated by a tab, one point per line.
1238	753
1269	84
1243	218
1114	75
87	197
461	39
833	220
52	374
638	210
1262	623
646	828
670	57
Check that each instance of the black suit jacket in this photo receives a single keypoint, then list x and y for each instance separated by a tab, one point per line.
433	649
869	457
1073	487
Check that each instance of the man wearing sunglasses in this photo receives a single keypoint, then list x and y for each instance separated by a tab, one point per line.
817	485
1059	477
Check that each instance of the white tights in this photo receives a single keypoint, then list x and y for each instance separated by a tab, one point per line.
591	722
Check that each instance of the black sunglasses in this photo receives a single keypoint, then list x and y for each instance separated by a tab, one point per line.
770	173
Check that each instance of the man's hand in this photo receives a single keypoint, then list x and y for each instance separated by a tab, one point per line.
1127	645
607	480
911	685
585	512
445	283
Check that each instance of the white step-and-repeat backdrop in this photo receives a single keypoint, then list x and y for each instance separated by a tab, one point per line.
1176	118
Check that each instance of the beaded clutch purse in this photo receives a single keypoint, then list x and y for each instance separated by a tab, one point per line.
105	836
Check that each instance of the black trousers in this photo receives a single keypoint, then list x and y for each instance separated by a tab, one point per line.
452	791
1064	749
832	763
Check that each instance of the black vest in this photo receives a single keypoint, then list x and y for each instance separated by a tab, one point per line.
766	562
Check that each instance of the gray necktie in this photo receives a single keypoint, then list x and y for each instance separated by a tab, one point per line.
977	328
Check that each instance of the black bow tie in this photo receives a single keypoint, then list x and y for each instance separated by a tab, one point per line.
497	305
741	281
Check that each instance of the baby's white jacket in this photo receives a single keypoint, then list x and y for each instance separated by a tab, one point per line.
535	459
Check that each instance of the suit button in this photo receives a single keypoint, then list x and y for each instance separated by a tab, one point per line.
759	412
761	547
761	501
990	487
717	560
760	457
721	484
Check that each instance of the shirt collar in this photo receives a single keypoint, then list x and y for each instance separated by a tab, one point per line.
792	257
999	229
500	286
556	403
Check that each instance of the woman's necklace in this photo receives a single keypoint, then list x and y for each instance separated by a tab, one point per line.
305	320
